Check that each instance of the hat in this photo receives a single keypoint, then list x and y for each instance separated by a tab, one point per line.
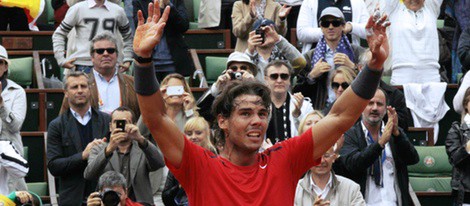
242	57
262	22
332	11
4	54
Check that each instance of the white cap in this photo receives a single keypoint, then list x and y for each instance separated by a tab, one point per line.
4	54
332	11
242	57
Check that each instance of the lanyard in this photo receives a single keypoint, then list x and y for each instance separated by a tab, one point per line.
370	140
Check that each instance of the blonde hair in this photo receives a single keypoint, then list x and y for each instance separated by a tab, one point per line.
348	74
304	120
199	123
180	77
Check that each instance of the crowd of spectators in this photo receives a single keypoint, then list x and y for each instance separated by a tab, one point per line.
101	140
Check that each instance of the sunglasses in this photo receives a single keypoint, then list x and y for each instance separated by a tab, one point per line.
235	68
283	76
3	62
101	51
335	23
335	85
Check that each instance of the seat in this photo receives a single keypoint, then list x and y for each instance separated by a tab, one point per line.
433	172
40	188
21	71
214	67
194	24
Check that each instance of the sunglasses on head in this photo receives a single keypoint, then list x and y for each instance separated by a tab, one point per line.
101	51
283	76
335	85
335	23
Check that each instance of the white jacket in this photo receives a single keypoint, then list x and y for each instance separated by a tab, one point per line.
11	165
13	113
308	30
304	110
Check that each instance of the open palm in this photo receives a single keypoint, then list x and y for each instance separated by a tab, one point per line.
148	34
378	41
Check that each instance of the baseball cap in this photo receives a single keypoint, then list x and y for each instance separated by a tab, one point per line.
242	57
332	11
4	54
262	22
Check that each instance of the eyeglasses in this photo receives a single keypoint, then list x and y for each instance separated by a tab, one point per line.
235	68
3	62
101	51
335	85
335	23
283	76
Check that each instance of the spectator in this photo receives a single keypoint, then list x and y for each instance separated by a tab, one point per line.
341	78
197	130
376	156
113	185
414	39
246	12
128	153
109	88
309	32
396	98
459	96
20	198
12	165
287	110
237	62
90	18
171	55
458	150
70	138
241	175
309	120
332	51
463	50
293	14
12	113
269	46
321	186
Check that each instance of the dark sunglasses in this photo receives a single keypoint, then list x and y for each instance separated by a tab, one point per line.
335	85
283	76
101	51
335	23
3	62
235	68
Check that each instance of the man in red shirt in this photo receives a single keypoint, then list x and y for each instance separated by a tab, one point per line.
241	175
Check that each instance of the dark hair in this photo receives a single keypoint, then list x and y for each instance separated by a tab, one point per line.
466	99
125	109
246	2
279	63
224	103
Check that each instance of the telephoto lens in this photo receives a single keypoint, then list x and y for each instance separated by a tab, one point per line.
110	197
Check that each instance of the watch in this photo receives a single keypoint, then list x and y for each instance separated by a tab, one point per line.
140	59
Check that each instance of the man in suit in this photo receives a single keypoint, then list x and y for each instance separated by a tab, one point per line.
376	156
129	153
70	138
171	55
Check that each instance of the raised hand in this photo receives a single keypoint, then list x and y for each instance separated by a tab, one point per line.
285	10
319	68
271	35
148	34
392	115
299	100
378	41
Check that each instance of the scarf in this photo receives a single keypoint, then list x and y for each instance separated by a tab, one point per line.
343	47
260	9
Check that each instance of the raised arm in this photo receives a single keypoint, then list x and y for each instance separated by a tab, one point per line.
163	129
350	105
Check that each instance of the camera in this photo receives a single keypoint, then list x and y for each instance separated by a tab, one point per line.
236	75
261	32
110	197
121	124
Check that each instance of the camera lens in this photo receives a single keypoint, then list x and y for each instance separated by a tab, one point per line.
238	75
110	198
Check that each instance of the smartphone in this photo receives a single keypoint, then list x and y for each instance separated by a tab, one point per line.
175	90
261	32
121	124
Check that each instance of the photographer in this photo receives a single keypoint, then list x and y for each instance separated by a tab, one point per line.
128	153
266	45
111	191
239	67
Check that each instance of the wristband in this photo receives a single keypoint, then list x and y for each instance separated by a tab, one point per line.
366	83
140	59
145	81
